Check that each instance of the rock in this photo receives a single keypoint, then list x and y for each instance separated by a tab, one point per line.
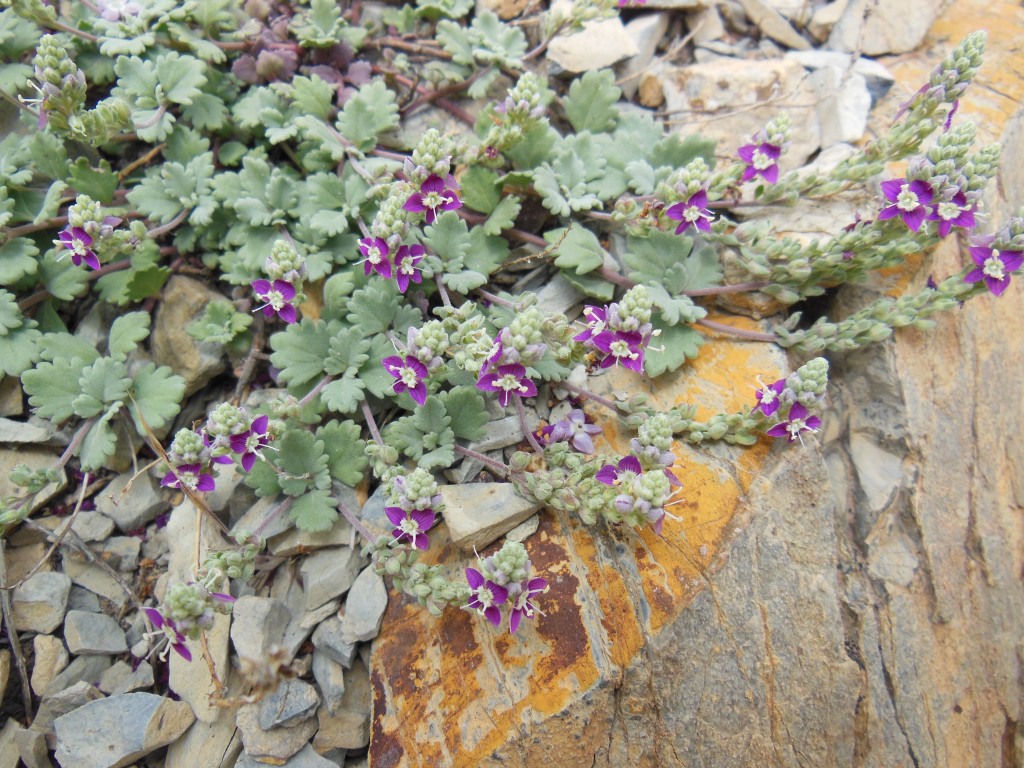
258	623
94	579
32	748
731	99
705	24
192	681
8	744
306	757
825	18
364	607
292	702
479	513
35	459
92	526
646	32
257	516
328	573
498	434
677	5
293	541
5	671
879	472
50	658
349	726
891	26
773	24
843	105
598	45
52	707
183	301
524	530
11	402
121	678
116	731
330	676
21	561
372	514
131	506
275	745
121	552
207	745
38	605
23	432
93	633
84	668
331	640
877	78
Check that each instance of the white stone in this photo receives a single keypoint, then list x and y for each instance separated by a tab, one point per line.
773	24
23	432
877	78
364	607
843	105
192	681
93	633
328	573
478	513
50	658
131	501
646	32
891	26
92	526
94	578
598	45
38	605
705	24
183	300
879	472
258	623
824	18
121	678
8	744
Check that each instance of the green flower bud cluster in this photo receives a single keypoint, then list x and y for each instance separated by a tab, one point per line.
807	384
733	428
34	480
635	308
284	406
186	448
226	420
426	583
382	458
468	337
61	83
1010	236
428	344
431	156
233	563
524	334
285	263
416	490
685	182
33	10
391	224
507	567
955	72
778	130
978	170
657	431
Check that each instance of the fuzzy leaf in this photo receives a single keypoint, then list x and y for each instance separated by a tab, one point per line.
206	112
343	395
346	451
64	346
104	382
449	238
263	479
10	315
303	463
669	260
369	114
313	96
670	349
377	308
301	349
503	216
220	323
181	77
19	349
126	332
158	393
98	183
480	190
590	105
99	442
579	250
17	260
140	281
377	380
425	436
591	285
62	279
53	387
314	511
675	152
468	411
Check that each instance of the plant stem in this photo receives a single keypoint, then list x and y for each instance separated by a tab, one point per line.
371	424
738	332
588	395
28	229
163	229
487	460
349	515
442	291
275	512
723	289
311	395
494	299
7	613
537	447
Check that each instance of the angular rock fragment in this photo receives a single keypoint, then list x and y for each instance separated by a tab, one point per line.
89	634
38	605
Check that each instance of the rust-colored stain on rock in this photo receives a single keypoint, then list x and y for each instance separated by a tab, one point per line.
455	691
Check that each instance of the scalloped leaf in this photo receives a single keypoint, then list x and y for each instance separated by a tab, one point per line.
303	463
301	349
346	451
126	332
314	511
590	105
468	411
425	436
157	393
671	349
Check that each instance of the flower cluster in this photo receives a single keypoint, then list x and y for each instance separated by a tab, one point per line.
796	395
620	332
518	345
504	579
574	428
640	496
187	609
404	266
415	502
762	155
995	261
87	229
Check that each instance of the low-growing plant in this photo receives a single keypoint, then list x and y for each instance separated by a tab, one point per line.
259	147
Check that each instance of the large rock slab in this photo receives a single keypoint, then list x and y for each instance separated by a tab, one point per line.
184	300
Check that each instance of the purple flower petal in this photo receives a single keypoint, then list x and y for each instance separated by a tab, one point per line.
182	650
630	464
155	617
493	615
261	287
474	577
287	313
513	620
395	514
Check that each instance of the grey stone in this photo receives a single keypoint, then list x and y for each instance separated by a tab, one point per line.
36	459
208	745
330	639
93	633
524	530
95	579
364	607
50	658
677	5
372	514
131	506
32	748
257	517
498	434
824	18
120	678
843	105
193	682
349	726
11	403
84	668
598	45
183	301
705	24
892	26
258	623
891	559
646	31
23	432
22	560
306	757
479	513
116	731
774	24
294	541
879	472
92	526
290	703
121	552
877	78
38	605
330	676
8	744
328	573
52	707
277	744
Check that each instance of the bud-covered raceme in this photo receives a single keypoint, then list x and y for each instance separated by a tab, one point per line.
430	157
285	262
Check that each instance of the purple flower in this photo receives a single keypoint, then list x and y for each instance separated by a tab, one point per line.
507	380
949	118
768	397
190	476
994	267
955	212
78	241
609	474
798	423
597	317
436	194
250	442
762	160
208	442
574	428
910	201
625	347
170	630
377	258
411	376
406	259
276	296
411	525
693	212
486	596
523	607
